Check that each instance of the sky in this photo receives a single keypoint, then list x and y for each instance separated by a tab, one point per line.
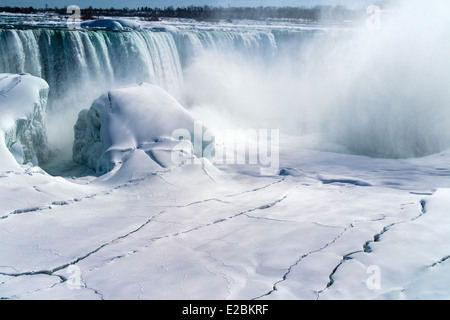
180	3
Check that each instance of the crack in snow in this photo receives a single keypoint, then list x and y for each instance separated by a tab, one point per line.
105	193
108	192
289	269
52	272
77	200
151	240
215	222
16	296
62	279
256	189
27	210
93	290
376	238
330	277
222	274
265	218
439	262
368	249
50	206
199	202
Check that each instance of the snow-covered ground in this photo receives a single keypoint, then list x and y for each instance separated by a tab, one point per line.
329	226
198	233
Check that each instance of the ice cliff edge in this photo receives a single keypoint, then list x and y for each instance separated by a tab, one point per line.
23	100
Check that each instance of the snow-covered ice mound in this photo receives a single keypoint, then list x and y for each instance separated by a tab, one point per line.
136	121
111	24
23	99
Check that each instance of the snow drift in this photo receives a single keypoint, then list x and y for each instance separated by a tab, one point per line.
23	99
142	118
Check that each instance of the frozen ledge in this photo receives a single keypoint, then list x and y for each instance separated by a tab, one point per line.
23	100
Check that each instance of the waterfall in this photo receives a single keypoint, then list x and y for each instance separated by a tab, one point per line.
80	65
70	60
378	93
90	62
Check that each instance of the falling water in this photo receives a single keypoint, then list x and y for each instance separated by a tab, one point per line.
377	92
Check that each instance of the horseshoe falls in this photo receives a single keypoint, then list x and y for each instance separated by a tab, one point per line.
66	59
242	160
79	65
343	85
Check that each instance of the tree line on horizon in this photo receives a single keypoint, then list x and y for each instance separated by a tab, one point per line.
206	13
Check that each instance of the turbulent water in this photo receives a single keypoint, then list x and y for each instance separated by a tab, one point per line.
71	59
377	92
80	65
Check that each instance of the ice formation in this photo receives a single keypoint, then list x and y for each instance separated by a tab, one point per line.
111	24
135	119
23	99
